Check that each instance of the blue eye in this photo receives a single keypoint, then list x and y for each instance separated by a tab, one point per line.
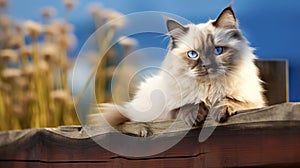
218	50
192	54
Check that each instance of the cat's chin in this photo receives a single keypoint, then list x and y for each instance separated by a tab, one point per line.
200	76
204	73
206	76
199	73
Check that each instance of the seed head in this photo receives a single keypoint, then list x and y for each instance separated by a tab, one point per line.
33	28
3	3
43	66
5	21
11	73
49	52
48	12
94	9
127	41
15	41
29	71
26	51
60	95
70	4
9	55
115	19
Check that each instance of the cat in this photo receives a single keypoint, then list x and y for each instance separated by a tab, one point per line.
209	68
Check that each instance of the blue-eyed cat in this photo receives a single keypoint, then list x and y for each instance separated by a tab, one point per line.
209	68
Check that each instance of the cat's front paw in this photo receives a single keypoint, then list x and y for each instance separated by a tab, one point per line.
144	131
221	111
136	129
193	114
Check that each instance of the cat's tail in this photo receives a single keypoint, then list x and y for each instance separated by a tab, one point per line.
107	113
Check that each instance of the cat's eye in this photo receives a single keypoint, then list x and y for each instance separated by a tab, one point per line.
218	50
192	54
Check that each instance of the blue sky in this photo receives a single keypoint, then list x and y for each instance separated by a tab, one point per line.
270	25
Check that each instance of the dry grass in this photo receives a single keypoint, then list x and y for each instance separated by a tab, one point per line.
34	90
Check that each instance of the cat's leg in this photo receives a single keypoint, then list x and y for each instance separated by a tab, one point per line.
111	116
193	114
116	120
136	129
222	109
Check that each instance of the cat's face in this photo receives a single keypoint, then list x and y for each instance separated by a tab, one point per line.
210	49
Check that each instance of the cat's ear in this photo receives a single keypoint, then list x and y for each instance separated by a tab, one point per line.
174	27
226	19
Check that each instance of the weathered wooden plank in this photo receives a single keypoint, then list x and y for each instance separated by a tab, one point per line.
34	164
235	149
261	137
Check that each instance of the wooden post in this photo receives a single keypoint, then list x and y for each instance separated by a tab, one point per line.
274	74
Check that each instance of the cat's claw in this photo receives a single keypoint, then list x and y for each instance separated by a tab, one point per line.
144	131
193	114
187	113
202	113
140	129
221	112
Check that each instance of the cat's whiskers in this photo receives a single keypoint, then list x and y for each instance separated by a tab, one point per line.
165	37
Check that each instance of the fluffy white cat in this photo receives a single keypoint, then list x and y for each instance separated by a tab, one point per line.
209	68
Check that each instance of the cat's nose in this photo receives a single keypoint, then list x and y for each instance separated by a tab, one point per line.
206	63
206	66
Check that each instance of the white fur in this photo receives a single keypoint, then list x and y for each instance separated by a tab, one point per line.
175	85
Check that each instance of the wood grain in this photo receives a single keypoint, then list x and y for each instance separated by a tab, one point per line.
262	137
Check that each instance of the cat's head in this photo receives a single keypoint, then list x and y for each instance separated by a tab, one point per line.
208	49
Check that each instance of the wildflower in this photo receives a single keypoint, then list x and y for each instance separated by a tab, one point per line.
48	12
127	41
11	73
111	14
29	71
3	3
15	41
33	28
43	66
19	28
94	9
26	51
49	52
67	28
22	82
5	21
61	26
115	19
9	55
70	4
68	41
60	95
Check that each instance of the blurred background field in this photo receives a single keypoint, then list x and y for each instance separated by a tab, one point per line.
36	65
40	39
